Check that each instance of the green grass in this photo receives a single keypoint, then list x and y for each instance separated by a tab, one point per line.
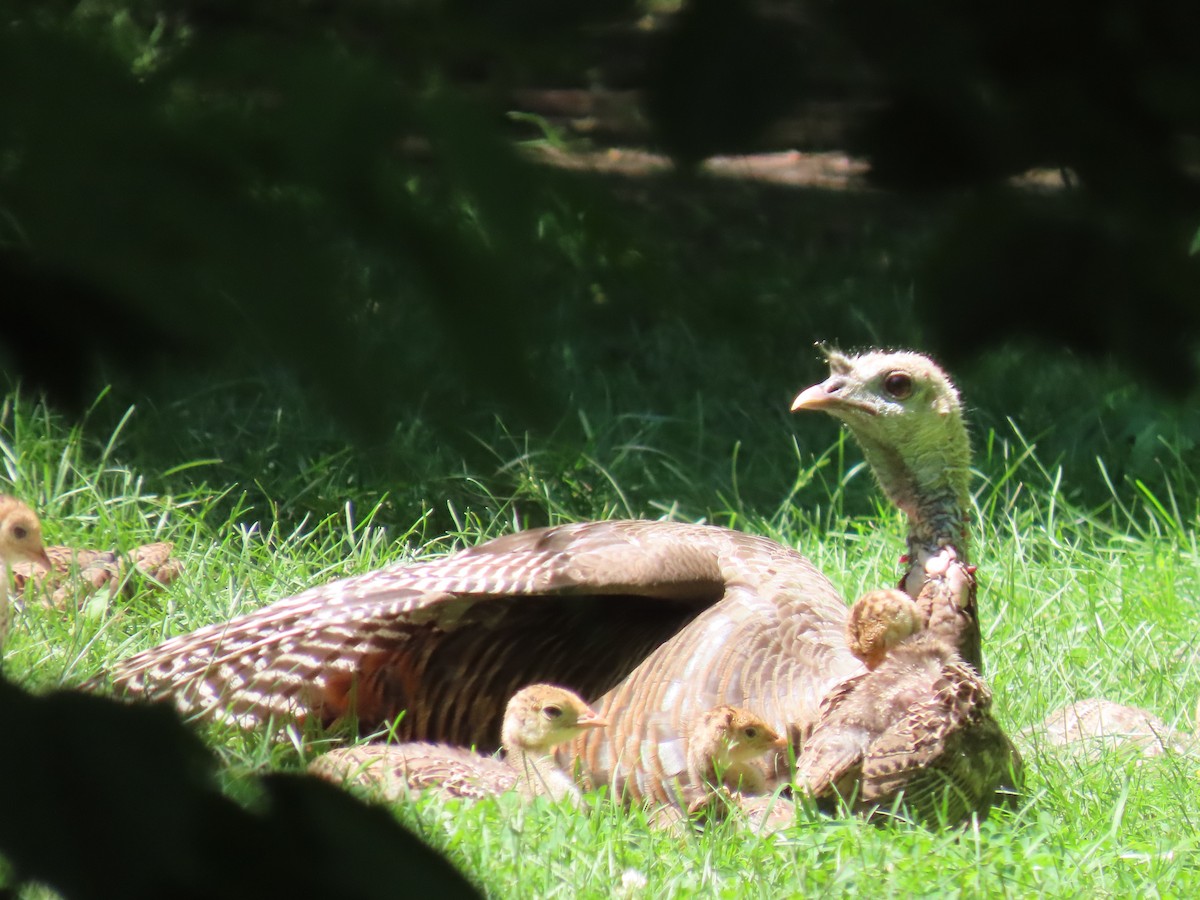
1077	601
1087	493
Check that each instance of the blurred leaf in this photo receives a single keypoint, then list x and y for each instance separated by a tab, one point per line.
119	801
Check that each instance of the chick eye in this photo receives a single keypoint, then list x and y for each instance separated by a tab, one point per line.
551	712
751	732
20	532
899	385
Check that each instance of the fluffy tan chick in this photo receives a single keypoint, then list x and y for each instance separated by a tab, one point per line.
723	746
537	719
20	533
20	542
878	621
69	574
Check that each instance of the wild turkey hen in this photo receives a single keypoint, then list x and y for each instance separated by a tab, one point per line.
536	720
659	620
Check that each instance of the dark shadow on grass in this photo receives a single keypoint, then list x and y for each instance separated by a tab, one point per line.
106	800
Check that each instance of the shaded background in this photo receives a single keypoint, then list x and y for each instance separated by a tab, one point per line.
353	200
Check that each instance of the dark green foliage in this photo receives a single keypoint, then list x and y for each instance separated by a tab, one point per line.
1068	272
720	77
970	95
976	93
256	195
328	189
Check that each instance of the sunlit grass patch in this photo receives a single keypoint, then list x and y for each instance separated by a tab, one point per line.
1076	601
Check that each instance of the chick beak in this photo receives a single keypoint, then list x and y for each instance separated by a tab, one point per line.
42	559
591	720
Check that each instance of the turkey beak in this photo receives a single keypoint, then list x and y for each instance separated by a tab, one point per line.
42	559
832	396
819	396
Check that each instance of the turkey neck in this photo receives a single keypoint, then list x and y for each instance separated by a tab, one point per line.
538	773
928	481
927	478
527	764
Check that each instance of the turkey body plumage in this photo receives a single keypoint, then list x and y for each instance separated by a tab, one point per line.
75	572
660	620
401	772
921	724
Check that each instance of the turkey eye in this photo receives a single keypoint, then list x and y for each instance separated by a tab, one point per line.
20	532
751	733
899	385
551	712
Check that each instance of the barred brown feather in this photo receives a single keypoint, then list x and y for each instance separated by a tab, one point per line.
75	572
445	642
397	772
